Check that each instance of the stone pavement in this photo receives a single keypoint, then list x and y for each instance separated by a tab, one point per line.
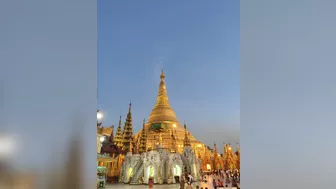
167	186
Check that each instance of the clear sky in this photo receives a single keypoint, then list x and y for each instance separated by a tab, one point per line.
197	45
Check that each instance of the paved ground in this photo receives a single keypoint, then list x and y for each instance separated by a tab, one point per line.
168	186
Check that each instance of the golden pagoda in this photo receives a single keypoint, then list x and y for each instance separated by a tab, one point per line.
162	123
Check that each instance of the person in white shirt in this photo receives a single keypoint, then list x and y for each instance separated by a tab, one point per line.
190	178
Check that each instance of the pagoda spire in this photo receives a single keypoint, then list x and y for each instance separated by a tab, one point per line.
118	139
112	134
162	110
174	147
216	162
128	130
143	139
186	138
215	149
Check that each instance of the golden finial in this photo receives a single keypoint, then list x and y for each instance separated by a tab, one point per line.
119	122
130	107
162	76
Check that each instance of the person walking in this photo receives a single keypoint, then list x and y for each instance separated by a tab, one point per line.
214	183
182	182
190	179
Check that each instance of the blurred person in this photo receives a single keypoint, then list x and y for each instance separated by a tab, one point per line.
182	182
220	184
190	179
214	183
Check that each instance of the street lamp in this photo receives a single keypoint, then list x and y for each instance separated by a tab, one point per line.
99	115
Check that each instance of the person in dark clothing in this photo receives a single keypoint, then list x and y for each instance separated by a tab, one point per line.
214	183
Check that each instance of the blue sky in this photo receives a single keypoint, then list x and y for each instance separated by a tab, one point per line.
197	45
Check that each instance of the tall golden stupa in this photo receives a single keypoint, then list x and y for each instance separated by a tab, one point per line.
163	128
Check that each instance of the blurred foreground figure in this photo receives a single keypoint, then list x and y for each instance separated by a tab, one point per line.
72	177
6	179
66	176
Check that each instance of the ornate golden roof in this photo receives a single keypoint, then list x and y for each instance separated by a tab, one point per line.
164	116
162	111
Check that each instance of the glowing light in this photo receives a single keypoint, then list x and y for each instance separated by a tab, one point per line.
102	139
99	115
229	148
130	171
208	167
199	145
174	125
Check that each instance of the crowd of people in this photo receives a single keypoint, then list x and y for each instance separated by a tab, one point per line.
220	178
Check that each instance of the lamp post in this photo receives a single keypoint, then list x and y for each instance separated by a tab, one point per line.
99	115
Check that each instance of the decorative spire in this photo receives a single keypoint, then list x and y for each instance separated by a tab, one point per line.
143	139
112	134
215	149
186	138
217	162
118	139
128	129
174	147
162	76
162	110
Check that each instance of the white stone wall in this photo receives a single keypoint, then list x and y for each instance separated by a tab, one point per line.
163	163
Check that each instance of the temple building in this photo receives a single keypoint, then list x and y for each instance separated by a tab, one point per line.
163	149
164	128
128	130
